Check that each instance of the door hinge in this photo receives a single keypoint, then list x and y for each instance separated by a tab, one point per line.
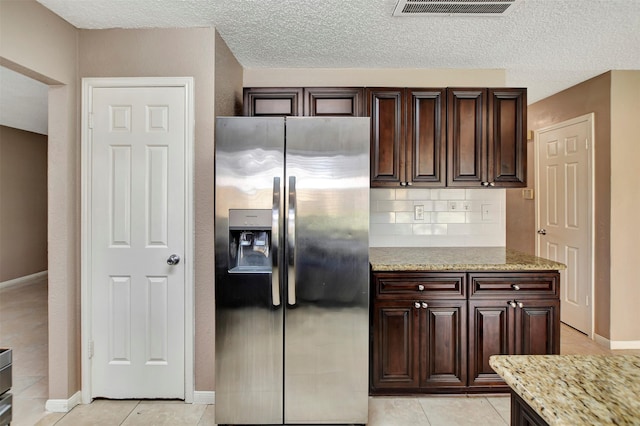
586	143
91	120
90	349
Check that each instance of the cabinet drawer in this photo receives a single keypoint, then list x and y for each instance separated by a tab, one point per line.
431	285
516	284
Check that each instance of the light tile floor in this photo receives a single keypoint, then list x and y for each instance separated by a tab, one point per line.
23	327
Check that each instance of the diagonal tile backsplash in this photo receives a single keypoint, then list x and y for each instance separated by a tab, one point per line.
437	217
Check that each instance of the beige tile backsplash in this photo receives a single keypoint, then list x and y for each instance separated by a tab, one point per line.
452	217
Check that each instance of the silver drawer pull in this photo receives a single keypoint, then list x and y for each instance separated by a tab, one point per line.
520	305
424	305
420	287
512	303
417	305
515	287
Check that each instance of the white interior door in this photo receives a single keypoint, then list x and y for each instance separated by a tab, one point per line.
137	209
564	213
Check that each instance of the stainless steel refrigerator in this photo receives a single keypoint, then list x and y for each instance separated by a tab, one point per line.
292	270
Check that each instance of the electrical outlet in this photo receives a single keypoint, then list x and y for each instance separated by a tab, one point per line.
466	205
454	206
487	212
418	212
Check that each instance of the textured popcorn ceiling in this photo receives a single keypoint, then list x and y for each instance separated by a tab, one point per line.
545	45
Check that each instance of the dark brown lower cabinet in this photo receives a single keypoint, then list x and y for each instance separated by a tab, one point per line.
419	344
489	326
395	347
522	414
512	327
422	342
443	347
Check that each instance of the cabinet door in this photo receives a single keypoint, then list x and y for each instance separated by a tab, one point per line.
507	143
443	344
537	327
334	101
395	347
425	137
466	138
272	101
386	109
490	333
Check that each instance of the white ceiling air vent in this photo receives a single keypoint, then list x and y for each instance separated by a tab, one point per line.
454	7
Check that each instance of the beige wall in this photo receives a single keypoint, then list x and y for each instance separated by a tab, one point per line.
625	205
23	203
174	53
388	77
38	43
228	81
521	215
590	96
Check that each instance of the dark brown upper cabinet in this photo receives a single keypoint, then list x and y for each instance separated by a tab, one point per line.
272	101
486	141
507	121
421	137
466	137
307	101
334	101
407	137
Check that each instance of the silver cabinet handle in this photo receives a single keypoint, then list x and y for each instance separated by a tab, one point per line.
492	184
174	259
416	305
275	241
424	305
291	235
420	287
520	305
512	303
409	183
542	231
403	183
516	287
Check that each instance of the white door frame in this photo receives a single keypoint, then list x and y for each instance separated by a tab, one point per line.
88	84
590	118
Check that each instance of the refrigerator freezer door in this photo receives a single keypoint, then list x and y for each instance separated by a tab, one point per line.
249	324
326	332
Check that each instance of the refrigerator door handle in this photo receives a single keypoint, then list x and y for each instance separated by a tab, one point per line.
291	238
275	240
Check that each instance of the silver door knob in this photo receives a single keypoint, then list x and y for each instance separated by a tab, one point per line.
174	259
425	305
516	287
542	231
416	305
520	305
512	304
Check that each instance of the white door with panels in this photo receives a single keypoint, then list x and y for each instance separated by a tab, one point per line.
563	174
136	245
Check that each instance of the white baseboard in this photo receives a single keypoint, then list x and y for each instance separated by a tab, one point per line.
625	344
616	344
63	405
23	280
204	397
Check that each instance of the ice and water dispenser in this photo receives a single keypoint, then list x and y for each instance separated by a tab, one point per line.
249	241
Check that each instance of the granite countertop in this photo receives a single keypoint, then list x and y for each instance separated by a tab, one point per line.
575	389
457	259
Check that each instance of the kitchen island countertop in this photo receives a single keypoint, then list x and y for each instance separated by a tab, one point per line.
457	259
575	389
